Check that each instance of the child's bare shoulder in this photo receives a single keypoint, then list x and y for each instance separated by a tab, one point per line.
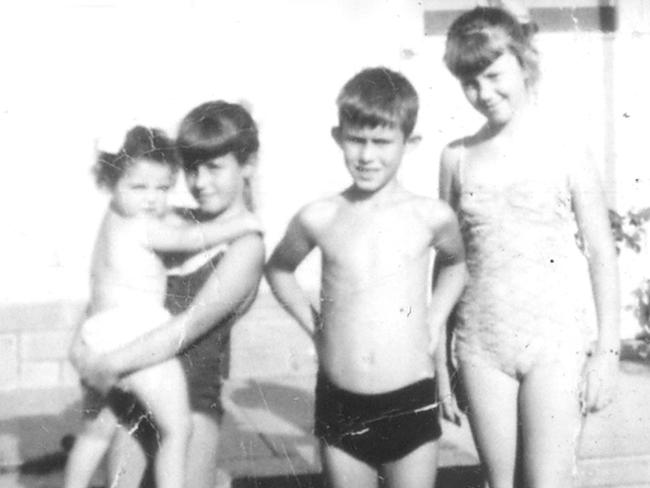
319	213
456	145
453	150
433	210
452	153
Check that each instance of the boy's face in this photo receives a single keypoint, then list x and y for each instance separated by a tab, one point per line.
372	155
143	189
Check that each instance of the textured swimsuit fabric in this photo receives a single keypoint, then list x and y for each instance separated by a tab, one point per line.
526	298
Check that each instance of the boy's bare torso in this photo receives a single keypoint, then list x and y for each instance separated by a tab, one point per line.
375	271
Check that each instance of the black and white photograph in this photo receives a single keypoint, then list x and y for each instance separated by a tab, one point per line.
325	244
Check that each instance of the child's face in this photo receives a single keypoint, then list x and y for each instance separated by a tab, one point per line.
143	189
499	91
372	155
218	183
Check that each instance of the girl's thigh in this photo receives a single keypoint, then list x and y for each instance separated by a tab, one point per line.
492	401
202	452
550	422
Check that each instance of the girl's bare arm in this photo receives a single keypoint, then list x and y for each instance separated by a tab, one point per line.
163	236
593	221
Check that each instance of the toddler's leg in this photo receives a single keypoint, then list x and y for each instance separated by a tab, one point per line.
162	388
126	461
551	421
89	449
343	470
415	470
492	401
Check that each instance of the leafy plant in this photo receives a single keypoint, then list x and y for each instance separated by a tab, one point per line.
629	231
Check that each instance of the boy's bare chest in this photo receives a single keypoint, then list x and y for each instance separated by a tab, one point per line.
371	242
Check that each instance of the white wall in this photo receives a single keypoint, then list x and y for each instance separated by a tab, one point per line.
78	72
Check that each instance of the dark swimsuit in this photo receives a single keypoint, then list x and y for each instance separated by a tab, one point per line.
206	362
377	428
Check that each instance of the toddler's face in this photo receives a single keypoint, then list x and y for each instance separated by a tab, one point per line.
143	189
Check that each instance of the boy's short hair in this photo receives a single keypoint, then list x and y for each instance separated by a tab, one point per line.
379	97
140	143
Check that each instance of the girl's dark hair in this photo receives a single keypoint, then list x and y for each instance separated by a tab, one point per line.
478	37
214	129
140	142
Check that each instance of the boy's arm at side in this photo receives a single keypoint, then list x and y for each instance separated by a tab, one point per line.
450	277
280	274
449	406
163	236
450	272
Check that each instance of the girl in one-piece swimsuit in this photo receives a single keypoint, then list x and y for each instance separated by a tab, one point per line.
523	190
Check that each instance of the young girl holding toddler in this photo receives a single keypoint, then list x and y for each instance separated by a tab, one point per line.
128	284
521	188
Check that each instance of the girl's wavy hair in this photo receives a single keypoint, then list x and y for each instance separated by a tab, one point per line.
479	36
140	143
214	129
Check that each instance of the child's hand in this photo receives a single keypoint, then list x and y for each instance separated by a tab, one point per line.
599	382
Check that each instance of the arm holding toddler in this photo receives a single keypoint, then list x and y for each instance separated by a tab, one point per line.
231	285
163	236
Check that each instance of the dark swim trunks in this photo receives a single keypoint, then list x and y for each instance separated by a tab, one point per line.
377	428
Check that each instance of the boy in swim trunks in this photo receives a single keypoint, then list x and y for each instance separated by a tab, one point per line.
378	326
